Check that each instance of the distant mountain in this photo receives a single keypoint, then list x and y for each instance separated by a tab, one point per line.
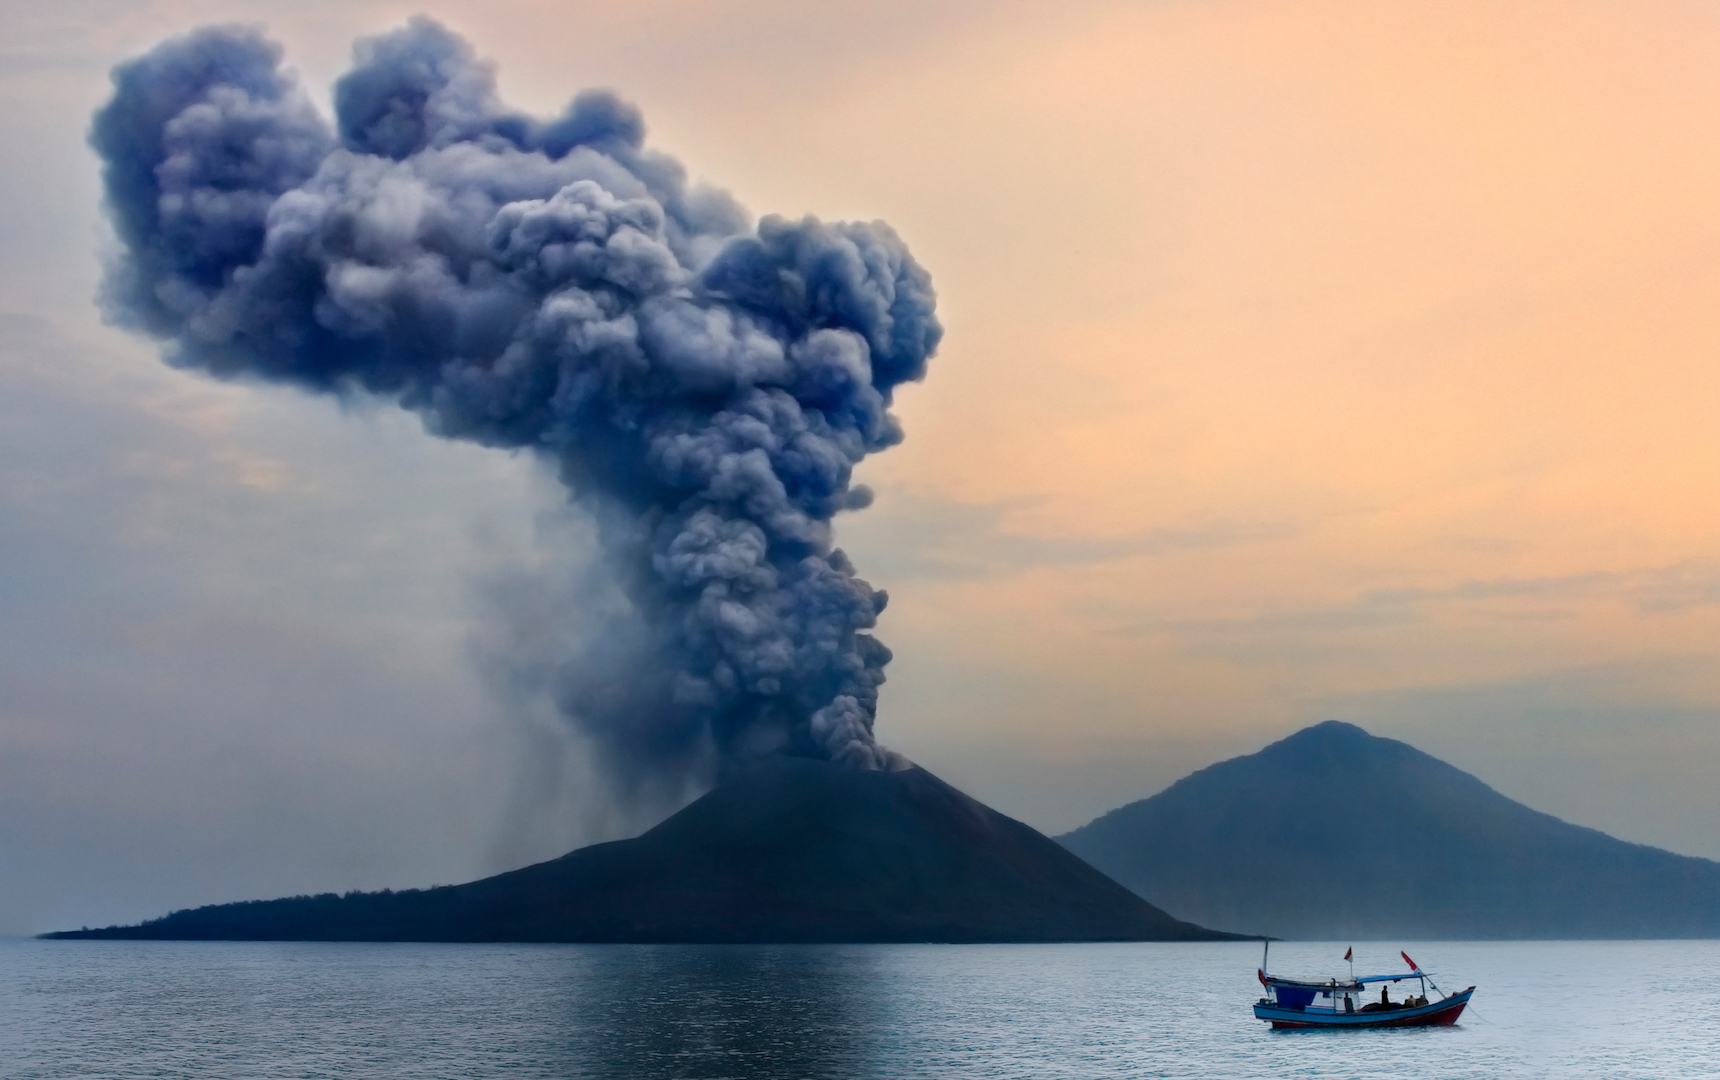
1336	834
791	850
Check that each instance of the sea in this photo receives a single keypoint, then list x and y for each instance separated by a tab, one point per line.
237	1011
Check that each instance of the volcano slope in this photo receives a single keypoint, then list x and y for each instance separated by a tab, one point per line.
1336	834
788	850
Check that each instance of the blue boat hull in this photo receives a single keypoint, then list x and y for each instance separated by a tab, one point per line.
1433	1014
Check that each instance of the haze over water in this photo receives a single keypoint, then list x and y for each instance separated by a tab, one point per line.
244	1010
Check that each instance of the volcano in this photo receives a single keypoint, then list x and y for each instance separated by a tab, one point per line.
787	850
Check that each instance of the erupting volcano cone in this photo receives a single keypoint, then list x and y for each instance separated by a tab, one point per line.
788	850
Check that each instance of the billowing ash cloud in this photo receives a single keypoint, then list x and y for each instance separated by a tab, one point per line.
704	386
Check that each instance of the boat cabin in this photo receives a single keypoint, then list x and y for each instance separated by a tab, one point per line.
1353	996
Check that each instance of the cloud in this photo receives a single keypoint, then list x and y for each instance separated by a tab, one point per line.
1677	587
909	536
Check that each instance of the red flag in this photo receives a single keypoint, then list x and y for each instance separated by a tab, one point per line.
1407	960
1347	953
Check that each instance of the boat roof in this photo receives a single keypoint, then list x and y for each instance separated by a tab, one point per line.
1328	984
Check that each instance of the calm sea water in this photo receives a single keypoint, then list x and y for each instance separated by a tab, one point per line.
242	1011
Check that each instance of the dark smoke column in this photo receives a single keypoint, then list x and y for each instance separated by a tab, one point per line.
704	387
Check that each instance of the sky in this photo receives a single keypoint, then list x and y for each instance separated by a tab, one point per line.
1303	361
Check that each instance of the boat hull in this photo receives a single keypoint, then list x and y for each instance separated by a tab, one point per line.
1433	1014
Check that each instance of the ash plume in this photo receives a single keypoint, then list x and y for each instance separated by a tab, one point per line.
703	385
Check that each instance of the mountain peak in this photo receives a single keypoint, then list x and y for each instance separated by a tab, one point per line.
1328	731
1333	832
1330	737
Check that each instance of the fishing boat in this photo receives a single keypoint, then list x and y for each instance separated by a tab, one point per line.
1294	1003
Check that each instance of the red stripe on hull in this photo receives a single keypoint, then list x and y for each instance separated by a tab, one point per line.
1441	1018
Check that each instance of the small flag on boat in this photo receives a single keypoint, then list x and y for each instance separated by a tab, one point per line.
1407	960
1348	951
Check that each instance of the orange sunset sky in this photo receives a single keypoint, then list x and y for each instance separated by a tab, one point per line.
1304	360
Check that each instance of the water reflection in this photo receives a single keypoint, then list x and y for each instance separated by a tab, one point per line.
283	1011
716	1011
